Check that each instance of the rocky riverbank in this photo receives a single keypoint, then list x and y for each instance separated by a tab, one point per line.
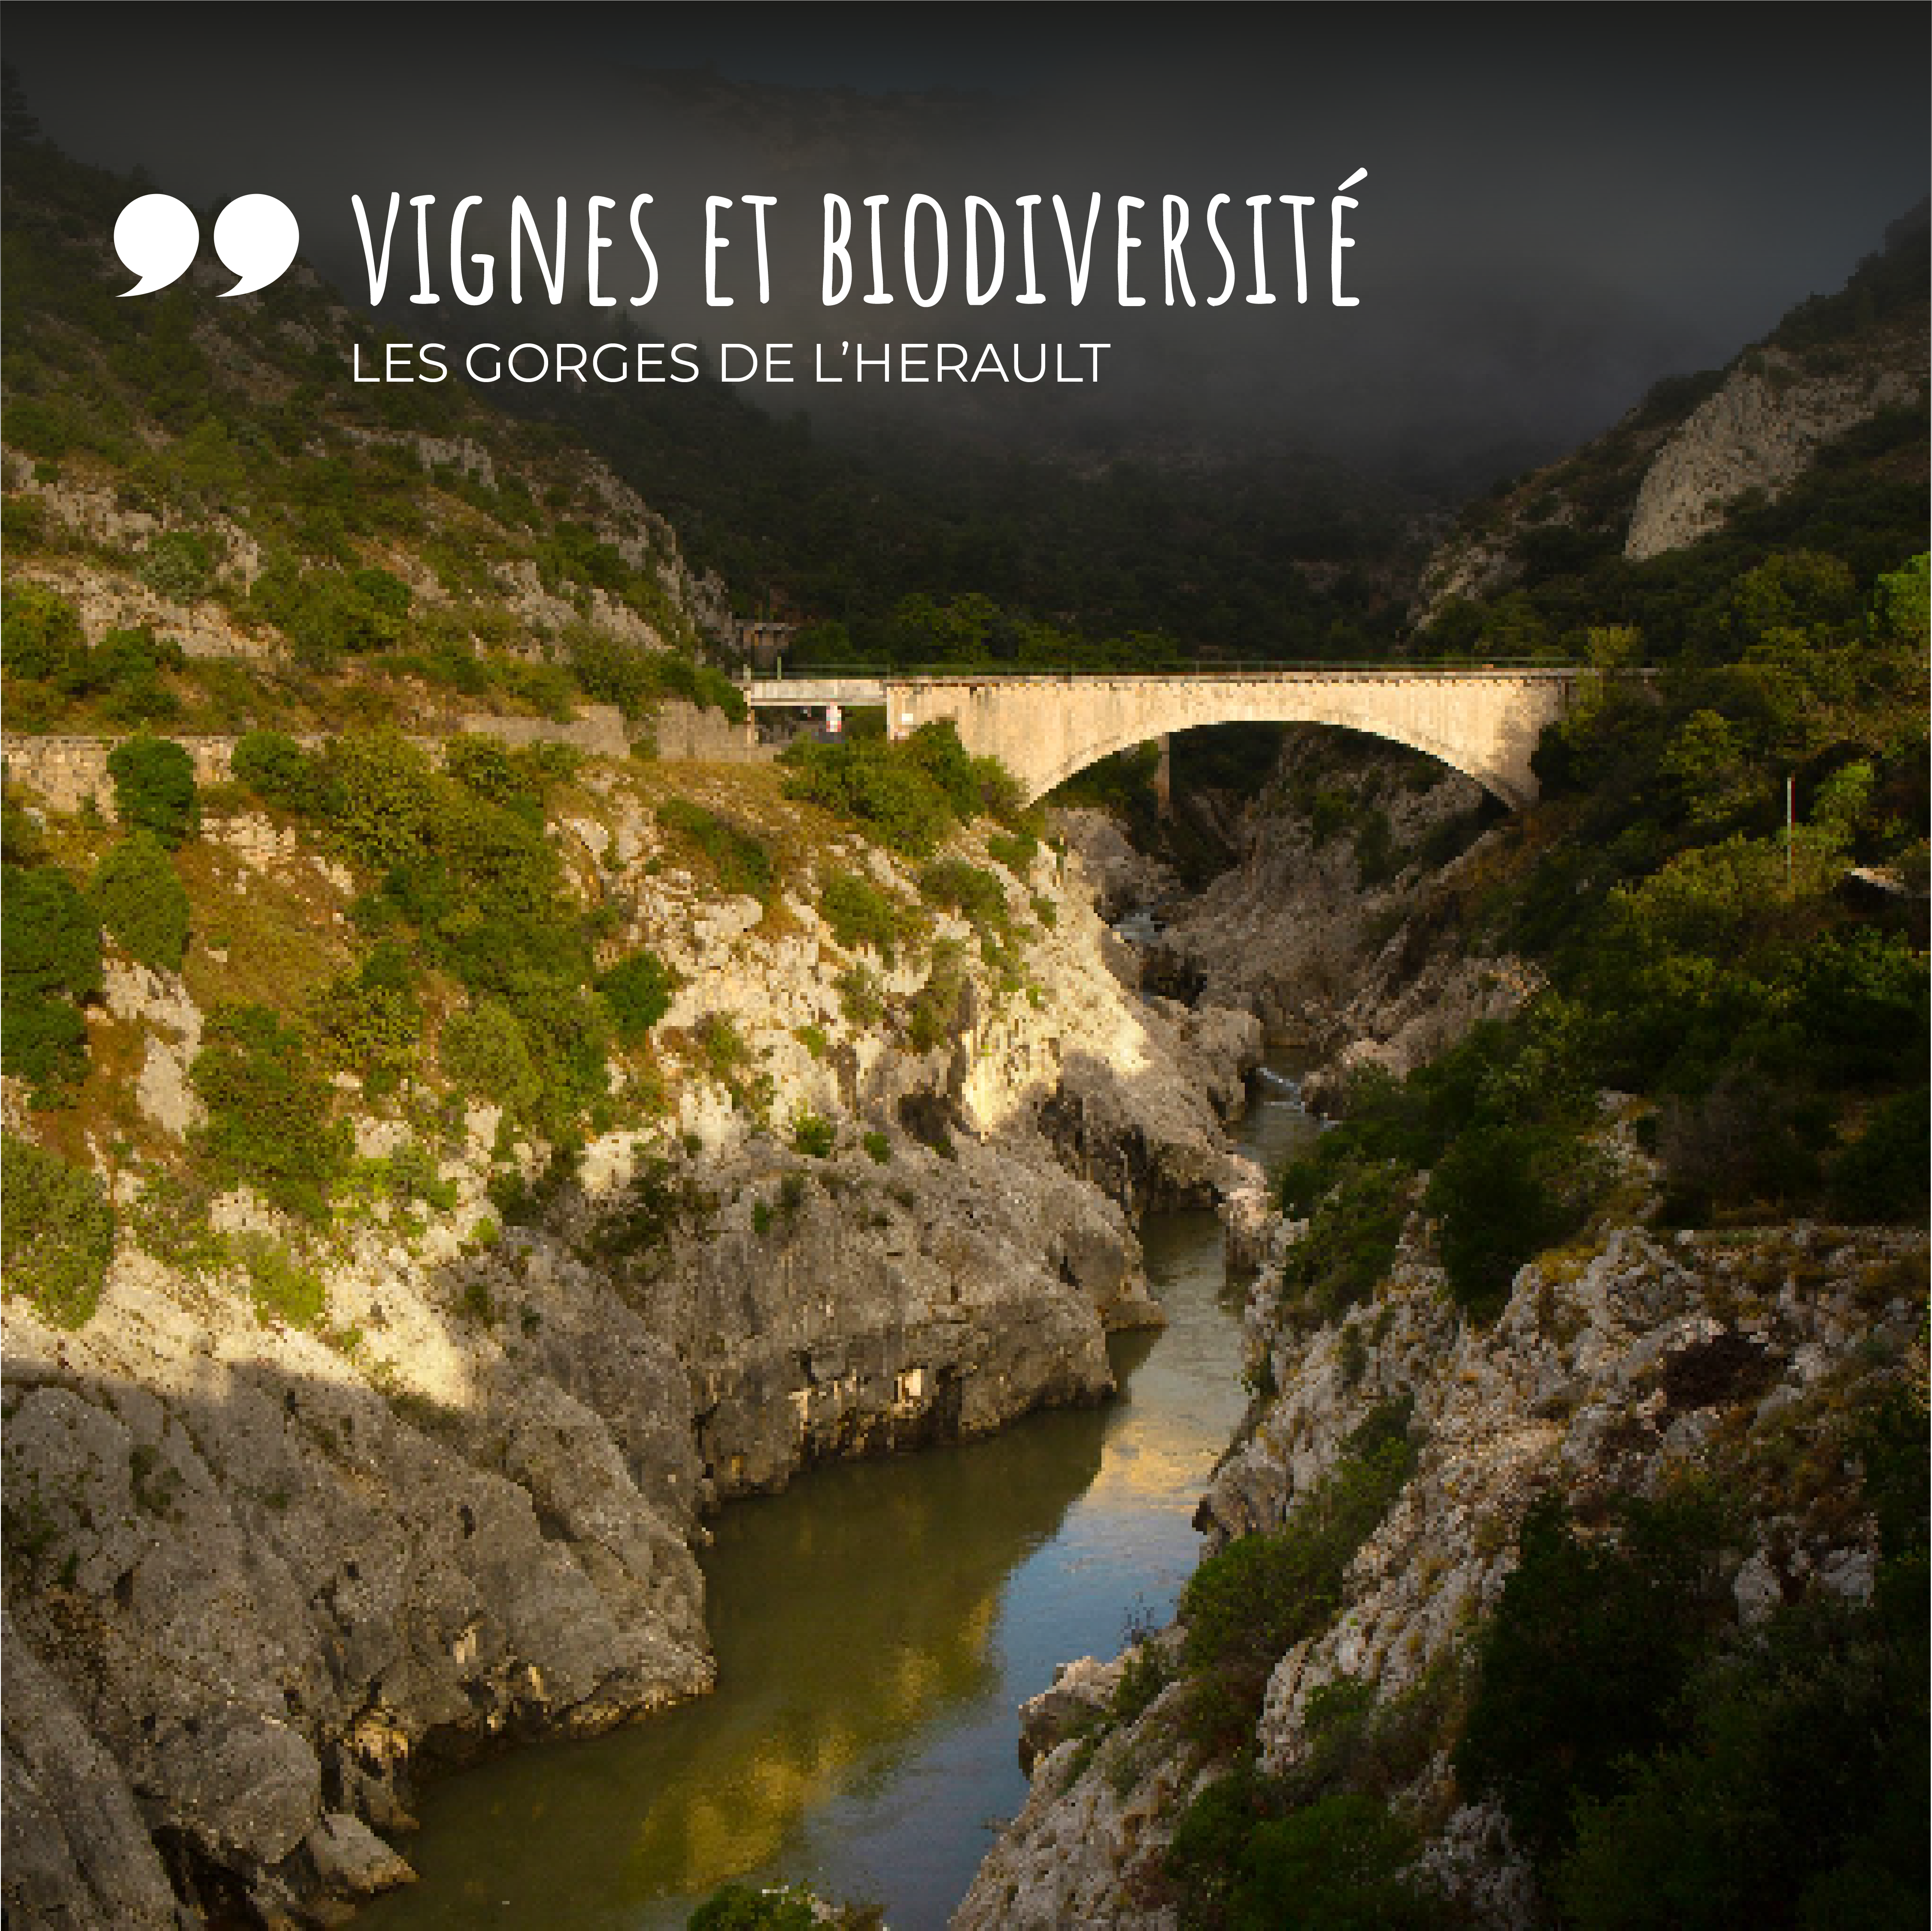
1627	1363
290	1521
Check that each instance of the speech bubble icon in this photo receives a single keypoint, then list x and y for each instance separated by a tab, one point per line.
256	235
156	236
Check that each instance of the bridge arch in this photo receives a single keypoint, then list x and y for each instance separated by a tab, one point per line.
1500	785
1484	723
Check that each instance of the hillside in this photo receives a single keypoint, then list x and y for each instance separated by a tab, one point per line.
1819	429
247	537
441	1165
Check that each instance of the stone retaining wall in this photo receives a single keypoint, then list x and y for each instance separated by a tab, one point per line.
65	772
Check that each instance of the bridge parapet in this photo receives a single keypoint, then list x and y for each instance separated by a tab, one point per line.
812	693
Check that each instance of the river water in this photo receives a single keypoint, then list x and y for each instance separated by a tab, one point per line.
875	1626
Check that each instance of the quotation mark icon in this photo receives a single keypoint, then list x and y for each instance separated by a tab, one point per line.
158	237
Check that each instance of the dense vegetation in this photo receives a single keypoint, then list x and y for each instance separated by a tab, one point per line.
1322	1848
997	556
1757	993
1666	1768
906	794
261	484
1770	1006
1754	989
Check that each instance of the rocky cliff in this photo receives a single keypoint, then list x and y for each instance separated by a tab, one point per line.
290	1519
1341	925
1624	1366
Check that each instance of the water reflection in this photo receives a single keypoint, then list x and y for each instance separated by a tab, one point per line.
875	1626
845	1613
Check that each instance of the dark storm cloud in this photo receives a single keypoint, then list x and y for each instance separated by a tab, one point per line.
1562	202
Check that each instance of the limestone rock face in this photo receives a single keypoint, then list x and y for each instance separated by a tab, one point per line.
1759	431
351	1861
77	1854
1079	1694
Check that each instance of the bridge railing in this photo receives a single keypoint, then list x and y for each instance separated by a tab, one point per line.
1222	669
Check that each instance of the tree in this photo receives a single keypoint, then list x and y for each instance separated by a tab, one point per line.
141	900
154	787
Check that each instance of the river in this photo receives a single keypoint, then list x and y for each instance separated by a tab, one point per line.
875	1626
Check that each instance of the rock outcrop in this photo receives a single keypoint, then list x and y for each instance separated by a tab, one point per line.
1337	928
1759	432
1615	1370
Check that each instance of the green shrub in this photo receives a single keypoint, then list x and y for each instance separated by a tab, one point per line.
154	787
1351	1239
277	771
484	1052
860	999
1149	1669
740	861
611	671
58	1231
21	841
615	672
638	989
137	895
1016	851
970	890
878	1147
936	1010
1502	1193
1863	1004
517	777
1881	1175
1797	1797
169	1220
1581	1666
324	612
1378	857
268	1106
860	914
369	1021
738	1907
814	1135
49	959
179	564
1244	1609
726	1051
1046	912
1334	1865
40	634
281	1288
383	799
411	1173
908	793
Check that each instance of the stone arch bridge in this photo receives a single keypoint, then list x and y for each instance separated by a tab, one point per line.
1483	721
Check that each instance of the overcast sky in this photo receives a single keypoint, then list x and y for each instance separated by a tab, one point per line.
1561	202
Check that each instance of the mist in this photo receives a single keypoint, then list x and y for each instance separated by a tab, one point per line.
1561	205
